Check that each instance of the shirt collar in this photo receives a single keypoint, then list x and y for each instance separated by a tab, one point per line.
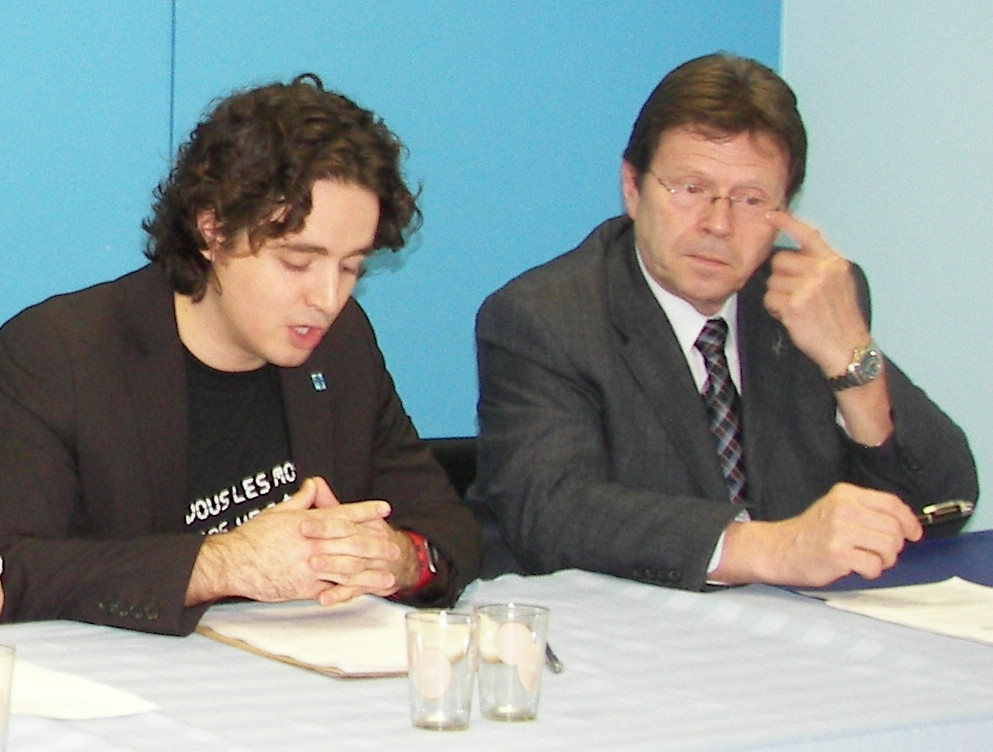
687	321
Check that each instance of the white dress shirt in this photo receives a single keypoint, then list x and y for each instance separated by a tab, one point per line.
687	322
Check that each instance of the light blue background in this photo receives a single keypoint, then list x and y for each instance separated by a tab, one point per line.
515	114
897	96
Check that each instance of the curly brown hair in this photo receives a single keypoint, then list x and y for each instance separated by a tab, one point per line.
253	162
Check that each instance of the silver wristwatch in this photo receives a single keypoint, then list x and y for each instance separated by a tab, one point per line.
865	366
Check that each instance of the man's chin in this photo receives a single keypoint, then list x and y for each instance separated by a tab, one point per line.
708	301
293	359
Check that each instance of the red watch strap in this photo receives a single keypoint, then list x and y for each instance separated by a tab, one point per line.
425	572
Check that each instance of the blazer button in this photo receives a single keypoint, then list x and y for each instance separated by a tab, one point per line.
909	461
674	575
151	612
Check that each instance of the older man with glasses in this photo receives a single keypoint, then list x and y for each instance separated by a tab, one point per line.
678	401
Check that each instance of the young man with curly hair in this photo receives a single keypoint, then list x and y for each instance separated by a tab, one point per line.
220	423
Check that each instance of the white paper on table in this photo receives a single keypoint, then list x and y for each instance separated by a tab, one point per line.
363	637
953	607
47	693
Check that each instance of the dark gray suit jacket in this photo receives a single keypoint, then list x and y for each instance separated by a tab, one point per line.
594	448
93	455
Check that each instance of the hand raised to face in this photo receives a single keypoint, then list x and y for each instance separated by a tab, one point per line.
812	292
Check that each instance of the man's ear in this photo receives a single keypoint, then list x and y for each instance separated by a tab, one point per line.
210	232
630	189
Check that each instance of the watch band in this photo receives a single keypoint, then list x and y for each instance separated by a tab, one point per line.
427	561
865	366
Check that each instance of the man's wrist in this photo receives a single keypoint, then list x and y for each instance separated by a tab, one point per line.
209	570
864	366
715	557
427	563
748	554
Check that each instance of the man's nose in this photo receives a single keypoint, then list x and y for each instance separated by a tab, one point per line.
718	215
323	292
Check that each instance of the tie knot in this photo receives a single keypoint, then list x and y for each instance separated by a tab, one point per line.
712	337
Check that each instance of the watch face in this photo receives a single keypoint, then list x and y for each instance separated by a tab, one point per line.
432	558
869	367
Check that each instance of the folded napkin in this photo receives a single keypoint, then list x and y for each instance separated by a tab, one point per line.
54	694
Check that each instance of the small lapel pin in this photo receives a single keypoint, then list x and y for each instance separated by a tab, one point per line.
317	379
778	345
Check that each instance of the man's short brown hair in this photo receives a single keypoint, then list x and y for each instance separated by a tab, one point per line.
722	95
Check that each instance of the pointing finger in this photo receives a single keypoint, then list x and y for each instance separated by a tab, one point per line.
807	237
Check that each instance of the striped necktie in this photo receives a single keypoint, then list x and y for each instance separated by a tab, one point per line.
723	406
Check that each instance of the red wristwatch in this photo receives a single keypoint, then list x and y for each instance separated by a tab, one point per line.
427	560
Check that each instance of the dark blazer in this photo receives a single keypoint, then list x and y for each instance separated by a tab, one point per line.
594	448
93	455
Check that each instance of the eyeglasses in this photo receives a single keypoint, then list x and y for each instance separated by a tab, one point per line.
746	204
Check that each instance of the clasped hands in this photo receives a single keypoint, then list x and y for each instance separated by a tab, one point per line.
310	546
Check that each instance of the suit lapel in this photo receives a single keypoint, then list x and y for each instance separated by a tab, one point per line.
306	392
651	352
769	372
155	374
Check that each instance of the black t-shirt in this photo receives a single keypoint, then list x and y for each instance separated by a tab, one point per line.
240	460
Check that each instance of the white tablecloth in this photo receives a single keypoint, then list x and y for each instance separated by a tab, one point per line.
645	669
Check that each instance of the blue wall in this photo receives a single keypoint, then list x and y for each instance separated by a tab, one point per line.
515	114
898	179
84	92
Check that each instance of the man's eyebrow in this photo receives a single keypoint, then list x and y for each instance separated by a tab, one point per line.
302	247
364	252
